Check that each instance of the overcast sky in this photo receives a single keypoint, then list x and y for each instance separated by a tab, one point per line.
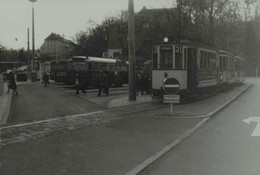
59	16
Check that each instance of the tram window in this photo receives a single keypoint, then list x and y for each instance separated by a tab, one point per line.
110	67
155	61
155	57
215	60
166	57
178	60
224	62
185	58
205	56
201	59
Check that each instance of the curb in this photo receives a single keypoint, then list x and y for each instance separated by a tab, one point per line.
139	168
5	104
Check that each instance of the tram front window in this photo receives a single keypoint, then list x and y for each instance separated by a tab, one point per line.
166	57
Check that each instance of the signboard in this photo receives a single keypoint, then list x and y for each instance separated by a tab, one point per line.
178	49
171	99
171	85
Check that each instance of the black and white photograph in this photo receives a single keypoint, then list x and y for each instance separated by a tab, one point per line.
130	87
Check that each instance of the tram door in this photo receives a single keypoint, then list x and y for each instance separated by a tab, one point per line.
192	70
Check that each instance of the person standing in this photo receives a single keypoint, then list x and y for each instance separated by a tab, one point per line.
142	83
103	84
137	83
78	84
45	79
12	83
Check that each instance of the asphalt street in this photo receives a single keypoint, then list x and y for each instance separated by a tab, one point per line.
36	102
224	145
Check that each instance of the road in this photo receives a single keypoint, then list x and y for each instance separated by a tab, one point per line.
229	144
102	141
47	102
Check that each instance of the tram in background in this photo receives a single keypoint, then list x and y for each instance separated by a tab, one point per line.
89	69
194	69
58	70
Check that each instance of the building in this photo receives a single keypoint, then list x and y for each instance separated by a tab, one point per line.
56	47
151	26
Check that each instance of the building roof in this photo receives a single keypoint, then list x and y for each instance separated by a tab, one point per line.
155	12
57	37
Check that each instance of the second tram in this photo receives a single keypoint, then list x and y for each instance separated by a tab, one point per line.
194	69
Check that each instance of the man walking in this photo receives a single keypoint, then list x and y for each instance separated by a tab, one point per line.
103	84
45	79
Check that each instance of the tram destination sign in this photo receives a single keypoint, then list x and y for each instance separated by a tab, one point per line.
171	99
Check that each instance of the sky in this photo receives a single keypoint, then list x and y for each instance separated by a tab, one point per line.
64	17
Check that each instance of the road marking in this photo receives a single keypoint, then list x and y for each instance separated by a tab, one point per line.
48	120
256	131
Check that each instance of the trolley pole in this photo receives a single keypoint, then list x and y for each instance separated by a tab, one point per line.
131	51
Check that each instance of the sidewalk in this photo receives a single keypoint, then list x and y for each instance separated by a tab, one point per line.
6	100
5	103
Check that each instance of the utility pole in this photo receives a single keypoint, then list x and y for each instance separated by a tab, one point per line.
28	52
131	51
33	48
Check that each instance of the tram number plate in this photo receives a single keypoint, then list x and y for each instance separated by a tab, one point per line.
171	99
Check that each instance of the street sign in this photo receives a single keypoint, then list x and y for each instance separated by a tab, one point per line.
256	131
171	99
171	85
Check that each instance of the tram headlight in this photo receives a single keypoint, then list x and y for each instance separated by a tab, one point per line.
165	39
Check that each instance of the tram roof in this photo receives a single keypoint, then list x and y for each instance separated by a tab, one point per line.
93	59
192	44
101	60
239	58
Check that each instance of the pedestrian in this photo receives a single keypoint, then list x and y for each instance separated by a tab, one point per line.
79	84
137	82
147	83
142	83
45	79
103	84
12	83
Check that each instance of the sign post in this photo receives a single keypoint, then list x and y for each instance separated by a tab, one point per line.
171	86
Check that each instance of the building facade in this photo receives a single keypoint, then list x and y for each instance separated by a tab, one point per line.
56	47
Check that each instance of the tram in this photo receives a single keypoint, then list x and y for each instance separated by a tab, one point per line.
194	69
58	70
89	69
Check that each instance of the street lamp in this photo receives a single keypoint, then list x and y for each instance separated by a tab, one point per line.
33	39
33	48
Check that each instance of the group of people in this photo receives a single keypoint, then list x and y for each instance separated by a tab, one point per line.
143	83
103	84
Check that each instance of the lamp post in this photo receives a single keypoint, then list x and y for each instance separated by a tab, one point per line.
33	48
33	39
131	51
